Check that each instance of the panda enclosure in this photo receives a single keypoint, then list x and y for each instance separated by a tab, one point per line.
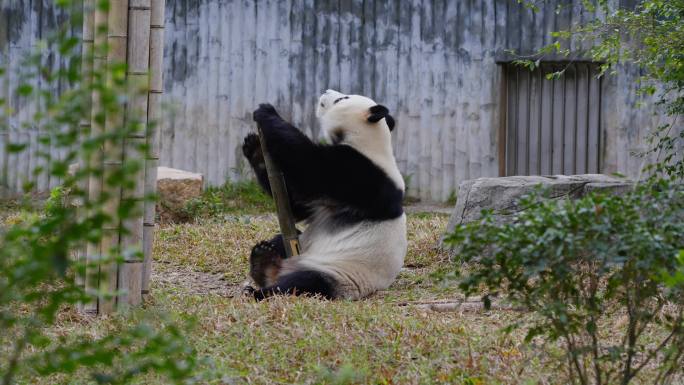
439	65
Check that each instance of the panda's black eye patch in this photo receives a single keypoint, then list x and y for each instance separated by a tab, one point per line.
342	98
337	136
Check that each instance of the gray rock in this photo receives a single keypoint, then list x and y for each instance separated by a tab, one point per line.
502	194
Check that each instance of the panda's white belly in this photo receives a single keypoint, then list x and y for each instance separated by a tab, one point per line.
362	257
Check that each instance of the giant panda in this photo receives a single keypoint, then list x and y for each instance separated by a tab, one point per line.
349	194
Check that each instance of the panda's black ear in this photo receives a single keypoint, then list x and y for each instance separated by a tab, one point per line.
390	121
377	112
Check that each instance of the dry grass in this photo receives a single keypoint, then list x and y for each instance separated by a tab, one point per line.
213	246
313	341
223	246
198	272
307	340
380	340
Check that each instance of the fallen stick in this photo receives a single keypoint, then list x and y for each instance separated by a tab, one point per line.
282	201
448	306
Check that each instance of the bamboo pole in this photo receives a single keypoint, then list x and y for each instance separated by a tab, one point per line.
153	138
127	34
282	201
99	60
117	32
131	272
88	39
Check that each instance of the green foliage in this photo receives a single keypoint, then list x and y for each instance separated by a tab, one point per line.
578	264
245	197
585	266
39	278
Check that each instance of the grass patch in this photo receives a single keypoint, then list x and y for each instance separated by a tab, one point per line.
313	341
216	246
223	246
244	197
307	340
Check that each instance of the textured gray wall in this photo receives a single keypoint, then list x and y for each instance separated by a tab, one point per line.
22	25
432	62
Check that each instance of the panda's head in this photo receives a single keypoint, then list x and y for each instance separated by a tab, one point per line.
353	119
361	123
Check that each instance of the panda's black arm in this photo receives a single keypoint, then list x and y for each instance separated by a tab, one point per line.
281	137
339	173
251	148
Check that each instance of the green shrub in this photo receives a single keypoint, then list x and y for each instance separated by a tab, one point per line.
581	266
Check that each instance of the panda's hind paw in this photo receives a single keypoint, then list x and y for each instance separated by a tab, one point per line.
265	248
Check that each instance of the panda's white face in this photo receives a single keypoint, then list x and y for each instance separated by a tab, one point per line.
361	123
344	119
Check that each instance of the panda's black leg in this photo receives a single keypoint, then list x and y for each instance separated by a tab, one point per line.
265	261
306	282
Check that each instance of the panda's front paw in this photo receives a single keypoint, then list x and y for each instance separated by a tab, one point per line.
251	147
264	112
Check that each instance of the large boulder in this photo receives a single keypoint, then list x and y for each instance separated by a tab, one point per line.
501	195
175	188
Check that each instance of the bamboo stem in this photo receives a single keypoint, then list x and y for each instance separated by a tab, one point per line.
117	28
88	38
156	56
99	58
282	201
131	272
126	30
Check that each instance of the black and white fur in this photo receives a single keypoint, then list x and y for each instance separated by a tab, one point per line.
349	193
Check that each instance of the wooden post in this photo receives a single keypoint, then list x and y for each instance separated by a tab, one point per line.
156	87
282	201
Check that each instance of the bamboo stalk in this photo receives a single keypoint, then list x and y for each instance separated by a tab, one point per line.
156	56
113	154
88	39
282	201
99	58
130	274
